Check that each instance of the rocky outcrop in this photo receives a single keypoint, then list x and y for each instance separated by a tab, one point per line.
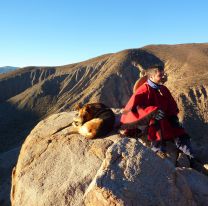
132	174
197	183
56	167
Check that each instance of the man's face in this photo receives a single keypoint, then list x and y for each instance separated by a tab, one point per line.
157	75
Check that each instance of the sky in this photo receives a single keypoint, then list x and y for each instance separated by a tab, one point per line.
60	32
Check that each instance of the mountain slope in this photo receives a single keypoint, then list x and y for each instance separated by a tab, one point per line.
40	91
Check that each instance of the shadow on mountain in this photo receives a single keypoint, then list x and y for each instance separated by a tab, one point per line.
145	58
15	125
196	127
118	87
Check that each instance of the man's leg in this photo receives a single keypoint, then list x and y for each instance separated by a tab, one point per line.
158	146
183	143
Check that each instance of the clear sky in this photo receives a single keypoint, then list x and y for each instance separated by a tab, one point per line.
59	32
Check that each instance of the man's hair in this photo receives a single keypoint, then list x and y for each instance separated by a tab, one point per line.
153	69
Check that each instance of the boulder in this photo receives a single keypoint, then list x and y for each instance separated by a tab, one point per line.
198	184
132	174
56	167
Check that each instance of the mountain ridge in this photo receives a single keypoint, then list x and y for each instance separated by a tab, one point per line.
41	91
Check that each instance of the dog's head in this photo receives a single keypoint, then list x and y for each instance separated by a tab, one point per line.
85	114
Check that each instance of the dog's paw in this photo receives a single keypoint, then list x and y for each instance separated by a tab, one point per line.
84	131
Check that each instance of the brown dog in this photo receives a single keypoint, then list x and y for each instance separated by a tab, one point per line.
94	120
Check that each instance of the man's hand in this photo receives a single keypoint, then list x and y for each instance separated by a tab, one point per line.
159	114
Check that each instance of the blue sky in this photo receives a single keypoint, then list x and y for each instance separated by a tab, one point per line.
50	33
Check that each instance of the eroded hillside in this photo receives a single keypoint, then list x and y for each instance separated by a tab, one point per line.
29	94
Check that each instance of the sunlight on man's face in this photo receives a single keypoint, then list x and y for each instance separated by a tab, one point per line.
157	75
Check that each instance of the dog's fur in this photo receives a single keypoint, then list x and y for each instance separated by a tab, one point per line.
94	120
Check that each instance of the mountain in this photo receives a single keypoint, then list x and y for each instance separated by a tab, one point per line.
29	94
7	69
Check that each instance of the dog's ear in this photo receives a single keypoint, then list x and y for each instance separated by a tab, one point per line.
78	107
89	108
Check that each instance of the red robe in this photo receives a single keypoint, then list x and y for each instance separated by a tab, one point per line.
148	100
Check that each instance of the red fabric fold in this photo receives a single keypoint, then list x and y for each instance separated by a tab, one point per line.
147	101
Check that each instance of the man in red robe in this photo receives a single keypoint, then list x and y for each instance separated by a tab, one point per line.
153	101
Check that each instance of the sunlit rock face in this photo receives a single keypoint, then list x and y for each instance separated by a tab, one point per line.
56	167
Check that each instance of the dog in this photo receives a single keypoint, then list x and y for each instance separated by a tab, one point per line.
94	120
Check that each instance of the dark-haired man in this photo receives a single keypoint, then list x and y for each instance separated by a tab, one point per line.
153	99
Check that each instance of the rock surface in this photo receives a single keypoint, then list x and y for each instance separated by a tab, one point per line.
197	183
132	174
56	168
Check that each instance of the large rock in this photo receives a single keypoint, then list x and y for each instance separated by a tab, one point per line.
55	168
198	184
132	174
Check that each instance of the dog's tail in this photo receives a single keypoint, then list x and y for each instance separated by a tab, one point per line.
71	131
74	131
